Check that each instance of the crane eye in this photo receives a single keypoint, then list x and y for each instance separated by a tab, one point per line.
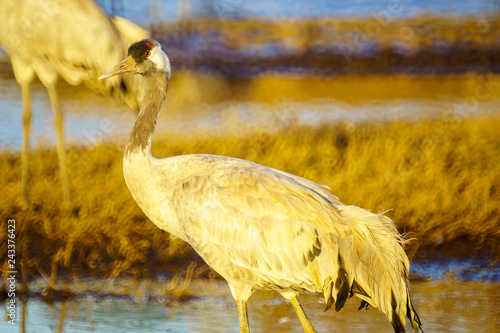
148	53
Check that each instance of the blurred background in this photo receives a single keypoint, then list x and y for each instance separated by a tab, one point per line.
394	104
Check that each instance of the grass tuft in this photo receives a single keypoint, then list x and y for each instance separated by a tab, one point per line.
439	179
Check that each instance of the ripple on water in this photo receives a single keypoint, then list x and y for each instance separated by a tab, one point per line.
443	306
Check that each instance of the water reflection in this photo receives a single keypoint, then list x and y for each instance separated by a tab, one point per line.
215	105
444	306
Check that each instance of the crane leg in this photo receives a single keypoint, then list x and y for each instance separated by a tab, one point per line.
58	127
306	324
26	122
241	293
243	316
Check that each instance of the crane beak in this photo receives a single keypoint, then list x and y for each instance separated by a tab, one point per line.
125	66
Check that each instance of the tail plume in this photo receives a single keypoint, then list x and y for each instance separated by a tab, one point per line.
372	264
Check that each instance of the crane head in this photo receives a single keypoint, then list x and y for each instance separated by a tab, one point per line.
144	57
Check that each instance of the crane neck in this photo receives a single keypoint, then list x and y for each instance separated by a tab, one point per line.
156	86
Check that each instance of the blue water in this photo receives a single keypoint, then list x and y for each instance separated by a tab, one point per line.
464	269
167	10
445	306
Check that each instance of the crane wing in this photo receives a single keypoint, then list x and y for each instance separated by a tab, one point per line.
266	222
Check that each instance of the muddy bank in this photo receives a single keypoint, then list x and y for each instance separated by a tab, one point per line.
247	47
329	45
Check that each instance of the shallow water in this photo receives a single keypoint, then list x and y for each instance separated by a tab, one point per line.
443	306
213	105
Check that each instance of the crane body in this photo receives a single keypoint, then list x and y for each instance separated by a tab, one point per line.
49	39
258	227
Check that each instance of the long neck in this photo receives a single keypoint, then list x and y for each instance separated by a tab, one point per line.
156	86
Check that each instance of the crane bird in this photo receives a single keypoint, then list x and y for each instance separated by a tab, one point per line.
52	38
258	227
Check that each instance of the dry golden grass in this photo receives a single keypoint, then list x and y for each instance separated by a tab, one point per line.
440	178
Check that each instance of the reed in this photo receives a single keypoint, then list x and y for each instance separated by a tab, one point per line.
438	179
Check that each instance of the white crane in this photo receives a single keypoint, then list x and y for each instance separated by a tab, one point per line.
52	38
258	227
